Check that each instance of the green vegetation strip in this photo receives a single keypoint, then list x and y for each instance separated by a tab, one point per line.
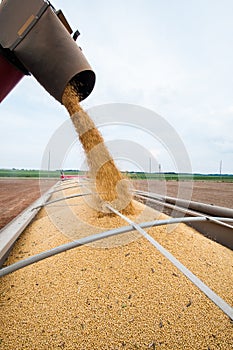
169	176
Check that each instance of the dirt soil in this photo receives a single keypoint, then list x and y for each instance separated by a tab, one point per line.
17	194
216	193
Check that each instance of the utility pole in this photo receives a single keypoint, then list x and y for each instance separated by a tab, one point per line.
220	168
49	164
150	165
159	170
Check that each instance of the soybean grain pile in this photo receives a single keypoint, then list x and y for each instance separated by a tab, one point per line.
120	293
126	296
110	185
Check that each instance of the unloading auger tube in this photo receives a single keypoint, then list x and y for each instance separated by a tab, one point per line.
36	39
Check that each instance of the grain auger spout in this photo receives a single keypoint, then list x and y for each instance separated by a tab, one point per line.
36	39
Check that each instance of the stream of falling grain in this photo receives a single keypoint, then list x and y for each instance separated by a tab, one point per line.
110	184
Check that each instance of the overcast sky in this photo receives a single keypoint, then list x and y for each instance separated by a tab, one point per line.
174	57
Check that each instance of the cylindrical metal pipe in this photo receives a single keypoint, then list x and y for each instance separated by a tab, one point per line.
96	237
44	46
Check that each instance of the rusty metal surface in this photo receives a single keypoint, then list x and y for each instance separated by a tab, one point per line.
54	58
44	46
13	15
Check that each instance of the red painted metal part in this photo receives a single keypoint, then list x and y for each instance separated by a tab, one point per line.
9	77
67	177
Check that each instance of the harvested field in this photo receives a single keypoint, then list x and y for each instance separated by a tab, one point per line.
17	194
120	296
209	192
217	193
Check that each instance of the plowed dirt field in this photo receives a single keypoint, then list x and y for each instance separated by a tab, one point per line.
18	194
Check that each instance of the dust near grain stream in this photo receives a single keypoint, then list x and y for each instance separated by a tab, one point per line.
109	182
